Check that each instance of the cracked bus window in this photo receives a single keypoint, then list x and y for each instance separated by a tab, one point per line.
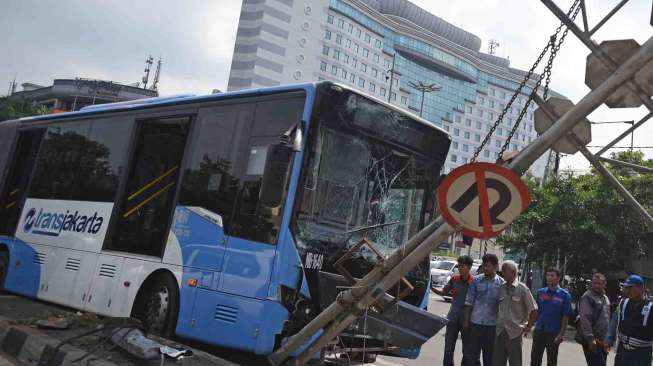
370	174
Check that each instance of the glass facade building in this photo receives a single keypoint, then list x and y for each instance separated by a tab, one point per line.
384	46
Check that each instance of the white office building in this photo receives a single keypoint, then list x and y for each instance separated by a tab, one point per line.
382	47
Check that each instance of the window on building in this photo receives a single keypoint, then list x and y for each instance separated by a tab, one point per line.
372	87
354	62
456	132
454	158
490	116
454	145
348	43
492	92
350	28
366	52
377	43
376	57
330	19
465	148
514	147
363	67
478	125
481	100
503	95
336	54
395	82
327	35
361	82
341	23
500	131
334	70
368	38
344	74
488	127
457	118
468	122
465	160
358	32
467	135
347	59
477	137
383	92
338	39
404	100
356	47
352	77
479	112
486	153
386	63
491	102
497	143
323	66
325	50
469	109
375	72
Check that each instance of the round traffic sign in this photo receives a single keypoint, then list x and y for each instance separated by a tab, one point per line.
482	198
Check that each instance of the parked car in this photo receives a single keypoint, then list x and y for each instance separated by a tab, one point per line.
441	273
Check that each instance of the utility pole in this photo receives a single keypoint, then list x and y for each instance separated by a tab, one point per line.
148	63
424	88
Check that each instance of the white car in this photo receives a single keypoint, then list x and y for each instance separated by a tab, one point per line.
442	272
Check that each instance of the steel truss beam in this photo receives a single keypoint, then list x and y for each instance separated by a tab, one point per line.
353	302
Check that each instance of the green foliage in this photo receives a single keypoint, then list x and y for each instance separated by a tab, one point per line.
585	220
11	109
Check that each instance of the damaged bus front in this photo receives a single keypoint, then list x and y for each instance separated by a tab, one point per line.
368	184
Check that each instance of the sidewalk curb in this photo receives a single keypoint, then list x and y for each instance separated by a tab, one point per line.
32	347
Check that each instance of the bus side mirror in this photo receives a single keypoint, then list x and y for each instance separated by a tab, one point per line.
275	175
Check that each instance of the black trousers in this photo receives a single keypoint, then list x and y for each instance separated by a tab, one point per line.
541	341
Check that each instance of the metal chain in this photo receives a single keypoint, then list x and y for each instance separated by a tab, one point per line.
555	47
550	45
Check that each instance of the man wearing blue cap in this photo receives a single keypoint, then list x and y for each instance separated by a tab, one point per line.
634	325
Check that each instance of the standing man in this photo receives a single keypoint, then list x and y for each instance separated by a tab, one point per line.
634	324
594	321
516	308
554	308
481	307
457	288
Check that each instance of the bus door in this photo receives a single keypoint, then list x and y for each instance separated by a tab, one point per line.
14	193
143	220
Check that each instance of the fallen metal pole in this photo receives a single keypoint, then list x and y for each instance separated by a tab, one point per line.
350	301
637	167
630	130
613	181
607	17
610	179
602	56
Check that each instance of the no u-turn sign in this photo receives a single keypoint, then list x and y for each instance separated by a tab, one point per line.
482	198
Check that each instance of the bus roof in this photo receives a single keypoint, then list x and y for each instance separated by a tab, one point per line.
191	98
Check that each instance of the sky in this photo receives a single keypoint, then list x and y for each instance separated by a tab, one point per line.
105	39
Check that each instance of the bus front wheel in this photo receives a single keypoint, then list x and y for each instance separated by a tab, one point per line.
159	306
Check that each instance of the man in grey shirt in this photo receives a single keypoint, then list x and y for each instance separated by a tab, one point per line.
594	321
516	316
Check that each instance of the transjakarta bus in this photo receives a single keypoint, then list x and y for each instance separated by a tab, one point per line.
219	218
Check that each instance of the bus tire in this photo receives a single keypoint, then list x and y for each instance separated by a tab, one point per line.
4	268
161	306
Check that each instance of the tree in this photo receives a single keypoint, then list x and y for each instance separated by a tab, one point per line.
584	220
12	108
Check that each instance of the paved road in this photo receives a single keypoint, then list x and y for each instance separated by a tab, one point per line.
570	353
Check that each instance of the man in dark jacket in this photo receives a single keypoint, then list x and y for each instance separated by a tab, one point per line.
594	320
457	288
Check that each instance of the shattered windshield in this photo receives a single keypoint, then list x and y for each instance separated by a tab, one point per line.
358	185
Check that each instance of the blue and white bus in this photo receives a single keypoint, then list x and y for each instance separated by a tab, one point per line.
218	218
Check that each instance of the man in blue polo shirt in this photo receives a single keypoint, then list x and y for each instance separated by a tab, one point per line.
554	308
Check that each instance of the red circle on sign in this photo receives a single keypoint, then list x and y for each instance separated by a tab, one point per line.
479	170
